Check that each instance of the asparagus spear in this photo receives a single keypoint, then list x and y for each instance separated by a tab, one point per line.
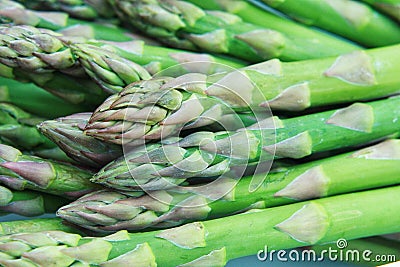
18	128
31	98
84	9
299	34
351	19
213	243
67	133
107	211
28	203
35	225
390	7
19	171
184	25
208	154
147	108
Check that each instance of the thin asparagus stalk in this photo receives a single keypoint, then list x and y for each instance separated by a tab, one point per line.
184	25
213	243
19	171
145	109
67	133
30	98
207	154
28	203
351	19
389	7
108	211
35	225
85	9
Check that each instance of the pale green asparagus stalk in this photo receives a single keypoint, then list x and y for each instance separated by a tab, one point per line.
28	203
184	25
19	171
108	211
352	19
35	225
67	133
208	154
214	242
147	108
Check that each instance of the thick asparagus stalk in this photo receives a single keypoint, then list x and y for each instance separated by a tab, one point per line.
213	243
28	203
145	109
67	133
108	211
351	19
84	9
35	225
208	154
30	98
390	7
19	171
184	25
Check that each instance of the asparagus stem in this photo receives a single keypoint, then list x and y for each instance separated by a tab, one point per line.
18	128
299	34
184	25
214	242
19	171
108	211
194	100
35	225
31	98
67	133
89	10
351	19
28	203
208	154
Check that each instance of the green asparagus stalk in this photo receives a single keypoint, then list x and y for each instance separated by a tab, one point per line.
28	203
13	12
83	9
108	211
155	59
213	243
30	98
207	154
67	133
299	34
35	225
351	19
184	25
19	171
145	109
18	128
389	7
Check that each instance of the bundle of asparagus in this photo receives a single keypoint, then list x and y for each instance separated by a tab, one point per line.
200	156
